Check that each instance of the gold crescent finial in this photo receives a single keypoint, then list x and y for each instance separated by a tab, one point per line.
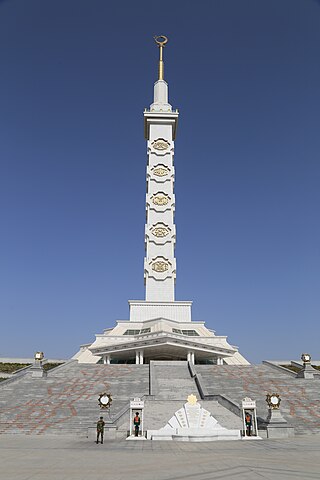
161	41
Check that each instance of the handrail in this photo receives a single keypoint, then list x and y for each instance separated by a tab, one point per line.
279	368
205	395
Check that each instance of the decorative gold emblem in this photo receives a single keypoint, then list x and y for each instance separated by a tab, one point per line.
160	231
160	171
273	400
192	399
160	266
160	144
160	200
105	400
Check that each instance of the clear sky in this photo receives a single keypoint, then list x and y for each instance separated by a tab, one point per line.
75	77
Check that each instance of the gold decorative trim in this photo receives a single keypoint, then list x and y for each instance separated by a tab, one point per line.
105	400
161	144
160	266
192	399
160	200
160	171
273	400
160	231
161	41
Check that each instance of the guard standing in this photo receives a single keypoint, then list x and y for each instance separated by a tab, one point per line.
248	420
100	429
136	423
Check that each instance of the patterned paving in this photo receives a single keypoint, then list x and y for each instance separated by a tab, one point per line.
300	398
66	402
67	399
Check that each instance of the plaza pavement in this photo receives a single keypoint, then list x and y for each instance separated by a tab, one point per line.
61	458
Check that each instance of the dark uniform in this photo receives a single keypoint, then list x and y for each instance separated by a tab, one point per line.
136	423
248	421
100	429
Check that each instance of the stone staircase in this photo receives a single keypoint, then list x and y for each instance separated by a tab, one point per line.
172	384
172	380
66	402
300	403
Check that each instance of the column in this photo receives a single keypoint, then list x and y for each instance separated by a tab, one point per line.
141	357
160	233
137	357
108	359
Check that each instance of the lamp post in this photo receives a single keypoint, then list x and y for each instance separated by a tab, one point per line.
276	425
38	357
307	370
306	358
37	367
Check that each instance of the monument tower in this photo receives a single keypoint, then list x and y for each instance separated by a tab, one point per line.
160	232
159	326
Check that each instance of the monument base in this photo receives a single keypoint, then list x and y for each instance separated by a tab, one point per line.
209	437
276	426
133	437
279	431
307	372
37	371
192	423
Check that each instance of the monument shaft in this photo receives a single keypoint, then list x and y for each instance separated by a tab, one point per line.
160	231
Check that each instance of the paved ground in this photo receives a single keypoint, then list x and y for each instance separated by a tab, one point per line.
61	458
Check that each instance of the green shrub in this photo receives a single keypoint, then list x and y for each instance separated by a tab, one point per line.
50	365
12	367
291	367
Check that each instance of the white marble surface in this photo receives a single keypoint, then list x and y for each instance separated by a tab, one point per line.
193	423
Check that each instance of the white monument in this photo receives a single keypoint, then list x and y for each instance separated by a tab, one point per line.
160	328
192	423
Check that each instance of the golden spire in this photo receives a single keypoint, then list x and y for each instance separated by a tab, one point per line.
161	40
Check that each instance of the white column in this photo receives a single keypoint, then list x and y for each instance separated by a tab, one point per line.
160	234
189	357
104	359
192	357
141	357
137	357
108	359
219	361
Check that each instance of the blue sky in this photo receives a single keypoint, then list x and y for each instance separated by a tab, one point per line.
75	78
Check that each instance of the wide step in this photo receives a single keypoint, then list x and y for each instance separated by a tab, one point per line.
67	400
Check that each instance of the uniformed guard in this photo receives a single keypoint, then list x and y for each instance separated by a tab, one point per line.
100	429
136	423
248	420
